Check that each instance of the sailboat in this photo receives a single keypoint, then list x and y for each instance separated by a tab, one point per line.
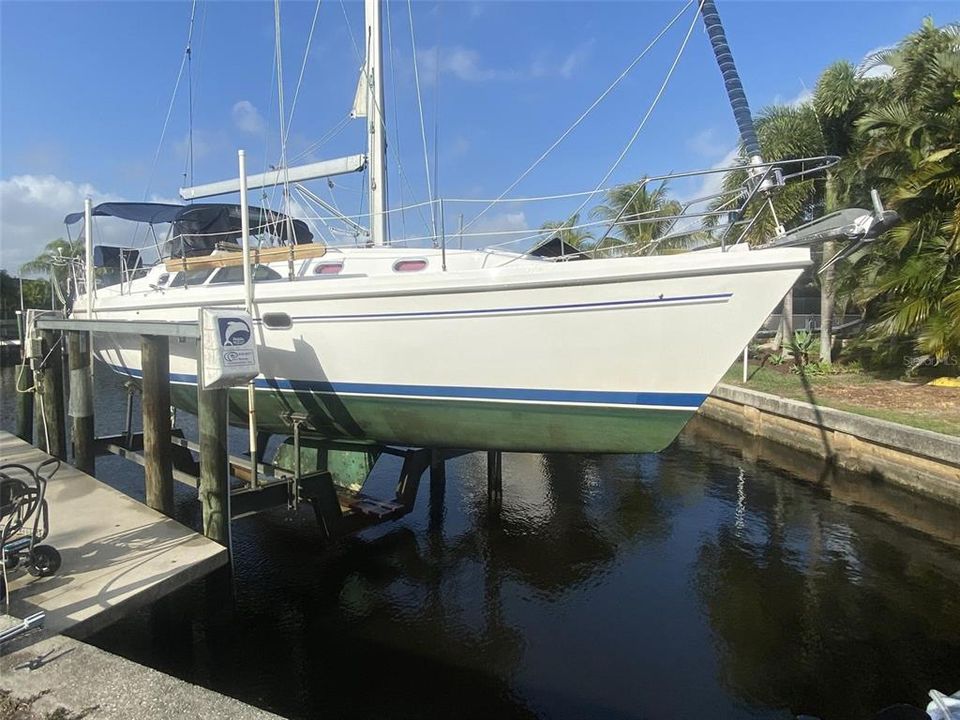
438	347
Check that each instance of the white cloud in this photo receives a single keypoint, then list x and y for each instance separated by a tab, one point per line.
878	71
545	63
247	118
498	228
463	63
706	145
805	96
205	143
457	148
32	208
467	64
709	184
575	59
882	70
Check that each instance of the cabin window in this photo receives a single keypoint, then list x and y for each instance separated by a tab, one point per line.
235	274
409	265
162	280
190	277
328	268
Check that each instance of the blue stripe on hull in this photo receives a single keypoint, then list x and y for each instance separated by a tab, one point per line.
660	300
679	401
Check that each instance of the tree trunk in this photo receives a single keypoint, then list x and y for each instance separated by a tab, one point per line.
785	332
827	301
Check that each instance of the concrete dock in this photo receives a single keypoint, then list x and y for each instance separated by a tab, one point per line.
118	554
62	677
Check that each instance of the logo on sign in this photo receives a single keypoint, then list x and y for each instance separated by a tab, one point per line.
233	331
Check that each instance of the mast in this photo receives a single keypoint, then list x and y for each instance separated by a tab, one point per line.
376	136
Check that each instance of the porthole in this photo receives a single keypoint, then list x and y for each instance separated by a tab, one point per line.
328	268
409	265
277	320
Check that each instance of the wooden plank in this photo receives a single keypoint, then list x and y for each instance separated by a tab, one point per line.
259	256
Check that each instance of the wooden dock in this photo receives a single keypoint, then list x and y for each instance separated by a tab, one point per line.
118	554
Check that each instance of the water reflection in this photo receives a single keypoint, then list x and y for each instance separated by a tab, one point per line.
724	577
825	611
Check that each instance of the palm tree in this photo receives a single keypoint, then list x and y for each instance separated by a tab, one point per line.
909	284
641	215
826	124
570	231
841	98
54	261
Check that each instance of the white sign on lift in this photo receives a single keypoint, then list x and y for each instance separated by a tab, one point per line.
228	347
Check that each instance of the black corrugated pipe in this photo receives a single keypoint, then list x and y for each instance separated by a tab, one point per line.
731	78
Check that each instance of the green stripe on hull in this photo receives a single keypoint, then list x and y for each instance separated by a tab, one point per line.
459	423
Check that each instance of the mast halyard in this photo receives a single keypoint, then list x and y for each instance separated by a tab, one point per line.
376	135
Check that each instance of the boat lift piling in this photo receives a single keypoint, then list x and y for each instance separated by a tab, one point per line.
49	428
158	468
156	440
494	475
81	401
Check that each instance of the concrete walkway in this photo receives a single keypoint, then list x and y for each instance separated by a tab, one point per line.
117	553
89	682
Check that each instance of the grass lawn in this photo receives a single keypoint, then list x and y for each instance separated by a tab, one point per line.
908	403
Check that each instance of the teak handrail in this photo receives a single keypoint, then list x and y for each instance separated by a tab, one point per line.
258	256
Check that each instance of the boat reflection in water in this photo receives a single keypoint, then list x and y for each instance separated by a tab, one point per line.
700	582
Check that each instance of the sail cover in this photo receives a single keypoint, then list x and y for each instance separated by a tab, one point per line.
198	228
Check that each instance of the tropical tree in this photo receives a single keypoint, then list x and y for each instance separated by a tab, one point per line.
55	261
841	98
909	284
570	232
784	132
642	214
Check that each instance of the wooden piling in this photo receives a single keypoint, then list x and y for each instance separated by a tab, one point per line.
155	354
81	401
494	473
438	485
23	377
48	419
214	467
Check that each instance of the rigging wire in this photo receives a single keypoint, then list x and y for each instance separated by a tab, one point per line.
194	93
303	67
327	137
643	122
396	113
280	107
189	178
583	115
353	39
436	123
423	129
173	99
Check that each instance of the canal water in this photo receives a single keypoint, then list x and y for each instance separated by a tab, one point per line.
721	578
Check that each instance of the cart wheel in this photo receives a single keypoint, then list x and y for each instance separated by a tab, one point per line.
44	561
11	561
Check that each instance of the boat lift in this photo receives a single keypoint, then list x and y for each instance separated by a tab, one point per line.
226	483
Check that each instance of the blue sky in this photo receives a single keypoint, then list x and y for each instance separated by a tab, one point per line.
86	86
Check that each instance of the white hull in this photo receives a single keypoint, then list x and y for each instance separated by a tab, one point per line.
530	355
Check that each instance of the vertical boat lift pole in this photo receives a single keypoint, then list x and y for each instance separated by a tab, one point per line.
248	306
